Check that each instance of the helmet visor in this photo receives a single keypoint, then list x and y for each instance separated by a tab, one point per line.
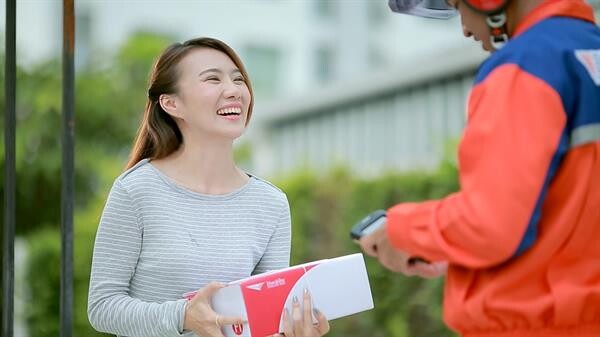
436	9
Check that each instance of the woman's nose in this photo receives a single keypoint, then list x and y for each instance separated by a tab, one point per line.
232	90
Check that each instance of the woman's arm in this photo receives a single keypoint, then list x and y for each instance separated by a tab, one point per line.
277	254
116	251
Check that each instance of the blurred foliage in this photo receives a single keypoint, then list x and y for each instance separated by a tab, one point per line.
109	102
323	210
44	283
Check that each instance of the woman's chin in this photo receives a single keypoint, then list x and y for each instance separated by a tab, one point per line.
232	133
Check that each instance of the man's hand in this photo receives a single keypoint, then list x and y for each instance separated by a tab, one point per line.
377	245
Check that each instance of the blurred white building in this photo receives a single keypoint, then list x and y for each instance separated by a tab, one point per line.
337	81
289	46
398	118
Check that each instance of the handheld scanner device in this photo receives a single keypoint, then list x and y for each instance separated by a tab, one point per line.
368	224
372	222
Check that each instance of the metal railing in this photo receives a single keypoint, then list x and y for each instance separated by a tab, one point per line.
8	254
67	168
67	182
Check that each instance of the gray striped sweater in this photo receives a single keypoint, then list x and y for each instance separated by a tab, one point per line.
157	240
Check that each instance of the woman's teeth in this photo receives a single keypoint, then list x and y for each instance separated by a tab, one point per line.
229	111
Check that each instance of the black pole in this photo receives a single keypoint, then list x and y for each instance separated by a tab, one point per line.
67	182
8	255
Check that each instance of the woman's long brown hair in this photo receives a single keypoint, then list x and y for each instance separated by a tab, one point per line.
158	135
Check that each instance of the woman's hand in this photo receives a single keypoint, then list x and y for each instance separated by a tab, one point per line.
300	324
201	318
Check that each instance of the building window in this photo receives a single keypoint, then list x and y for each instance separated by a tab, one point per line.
375	58
325	9
324	63
83	37
377	12
264	64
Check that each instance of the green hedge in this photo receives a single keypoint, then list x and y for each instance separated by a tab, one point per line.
323	210
43	276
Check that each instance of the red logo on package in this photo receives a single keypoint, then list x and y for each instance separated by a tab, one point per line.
265	296
238	329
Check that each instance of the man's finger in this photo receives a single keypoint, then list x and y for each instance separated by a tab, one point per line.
429	270
393	262
368	246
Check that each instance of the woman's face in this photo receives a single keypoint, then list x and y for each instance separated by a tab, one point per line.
473	24
212	96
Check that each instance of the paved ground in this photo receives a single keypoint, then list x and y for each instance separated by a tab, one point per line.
20	328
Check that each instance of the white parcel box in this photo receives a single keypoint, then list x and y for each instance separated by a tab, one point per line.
338	287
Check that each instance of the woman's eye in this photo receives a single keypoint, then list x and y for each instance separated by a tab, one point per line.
212	78
238	79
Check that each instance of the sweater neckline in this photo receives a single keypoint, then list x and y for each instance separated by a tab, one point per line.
185	190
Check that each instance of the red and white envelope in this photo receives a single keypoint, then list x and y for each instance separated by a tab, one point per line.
338	287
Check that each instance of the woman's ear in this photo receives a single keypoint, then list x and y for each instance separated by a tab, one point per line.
169	104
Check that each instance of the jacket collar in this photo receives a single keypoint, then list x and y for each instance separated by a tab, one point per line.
549	8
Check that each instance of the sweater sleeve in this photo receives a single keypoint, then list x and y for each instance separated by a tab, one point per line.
117	248
509	152
277	253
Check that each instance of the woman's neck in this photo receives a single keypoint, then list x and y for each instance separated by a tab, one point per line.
207	168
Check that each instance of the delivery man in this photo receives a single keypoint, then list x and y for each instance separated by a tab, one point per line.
522	235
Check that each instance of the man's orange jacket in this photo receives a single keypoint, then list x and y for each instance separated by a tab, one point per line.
523	233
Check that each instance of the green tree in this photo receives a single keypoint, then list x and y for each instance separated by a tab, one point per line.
108	105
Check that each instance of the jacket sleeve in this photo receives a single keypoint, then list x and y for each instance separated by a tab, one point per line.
116	251
515	129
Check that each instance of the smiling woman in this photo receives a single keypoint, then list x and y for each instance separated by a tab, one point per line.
183	217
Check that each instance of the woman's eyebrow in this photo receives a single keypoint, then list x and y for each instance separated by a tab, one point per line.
210	70
217	70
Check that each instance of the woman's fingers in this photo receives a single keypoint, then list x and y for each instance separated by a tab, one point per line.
288	327
322	322
297	317
299	322
307	310
210	289
230	320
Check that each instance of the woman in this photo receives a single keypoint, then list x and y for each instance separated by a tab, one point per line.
183	216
